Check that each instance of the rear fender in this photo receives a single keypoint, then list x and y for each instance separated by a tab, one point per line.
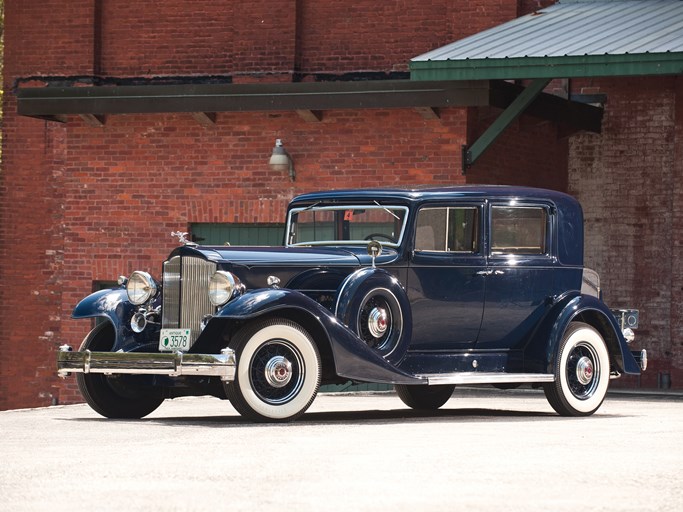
541	353
353	359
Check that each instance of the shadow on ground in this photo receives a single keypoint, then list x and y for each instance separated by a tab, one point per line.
358	417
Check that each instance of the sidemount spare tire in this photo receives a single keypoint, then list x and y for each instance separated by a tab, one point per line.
372	303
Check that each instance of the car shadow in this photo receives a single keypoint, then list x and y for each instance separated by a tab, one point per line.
357	417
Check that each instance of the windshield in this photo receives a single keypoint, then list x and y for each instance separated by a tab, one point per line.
350	224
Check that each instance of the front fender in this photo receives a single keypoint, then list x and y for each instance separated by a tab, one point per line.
353	359
114	306
542	351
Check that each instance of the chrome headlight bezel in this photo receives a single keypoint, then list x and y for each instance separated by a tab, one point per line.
222	287
141	288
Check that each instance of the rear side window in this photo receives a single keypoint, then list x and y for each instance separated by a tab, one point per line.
447	229
519	230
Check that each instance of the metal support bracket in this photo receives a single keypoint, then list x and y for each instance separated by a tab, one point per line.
470	154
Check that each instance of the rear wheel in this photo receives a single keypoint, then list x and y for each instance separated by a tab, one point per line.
278	371
581	372
424	397
114	396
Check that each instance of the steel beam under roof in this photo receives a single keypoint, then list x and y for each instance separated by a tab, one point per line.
55	103
46	102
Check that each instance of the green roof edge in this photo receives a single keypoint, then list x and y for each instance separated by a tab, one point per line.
568	66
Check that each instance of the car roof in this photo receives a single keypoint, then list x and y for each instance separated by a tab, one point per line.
421	193
569	212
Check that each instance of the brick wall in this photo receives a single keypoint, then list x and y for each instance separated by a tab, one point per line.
80	204
365	35
76	198
530	152
130	183
48	37
629	182
676	276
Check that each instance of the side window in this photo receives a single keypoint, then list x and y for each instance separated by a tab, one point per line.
519	230
447	230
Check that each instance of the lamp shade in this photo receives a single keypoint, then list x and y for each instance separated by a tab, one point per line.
279	160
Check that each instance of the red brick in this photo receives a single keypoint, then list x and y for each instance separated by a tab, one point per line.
81	204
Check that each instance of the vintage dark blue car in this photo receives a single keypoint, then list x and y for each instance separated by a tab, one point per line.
422	288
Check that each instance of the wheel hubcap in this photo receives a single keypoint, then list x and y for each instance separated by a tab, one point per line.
377	322
584	370
278	371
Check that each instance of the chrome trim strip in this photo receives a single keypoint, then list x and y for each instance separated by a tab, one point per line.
221	365
487	378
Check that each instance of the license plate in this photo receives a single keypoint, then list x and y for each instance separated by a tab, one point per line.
174	340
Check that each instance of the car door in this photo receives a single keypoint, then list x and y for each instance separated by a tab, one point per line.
445	283
519	272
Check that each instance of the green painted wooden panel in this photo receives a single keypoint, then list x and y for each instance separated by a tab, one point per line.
237	234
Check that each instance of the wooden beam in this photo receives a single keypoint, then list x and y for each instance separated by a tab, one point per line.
470	154
312	116
206	119
93	120
550	107
429	113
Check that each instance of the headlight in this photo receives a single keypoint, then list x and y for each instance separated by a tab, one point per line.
222	287
140	287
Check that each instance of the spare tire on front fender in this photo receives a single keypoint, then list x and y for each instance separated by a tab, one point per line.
372	303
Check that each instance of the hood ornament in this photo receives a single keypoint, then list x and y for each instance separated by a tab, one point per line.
182	238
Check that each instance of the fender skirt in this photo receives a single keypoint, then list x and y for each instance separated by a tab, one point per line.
353	359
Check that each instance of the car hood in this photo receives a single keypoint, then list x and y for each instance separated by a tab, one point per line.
256	256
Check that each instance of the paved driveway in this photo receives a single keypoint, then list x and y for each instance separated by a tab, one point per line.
497	451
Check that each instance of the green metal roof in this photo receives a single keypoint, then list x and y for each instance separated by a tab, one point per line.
573	38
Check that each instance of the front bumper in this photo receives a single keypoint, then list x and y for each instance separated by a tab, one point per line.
221	365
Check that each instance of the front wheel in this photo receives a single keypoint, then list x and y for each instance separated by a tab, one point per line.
114	396
424	397
581	372
278	371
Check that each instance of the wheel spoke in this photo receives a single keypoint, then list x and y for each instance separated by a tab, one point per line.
277	372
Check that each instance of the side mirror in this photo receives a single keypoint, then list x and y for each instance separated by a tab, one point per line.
374	250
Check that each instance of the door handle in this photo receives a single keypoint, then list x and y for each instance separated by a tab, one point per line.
490	272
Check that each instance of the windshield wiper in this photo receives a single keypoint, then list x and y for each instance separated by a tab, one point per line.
308	208
387	210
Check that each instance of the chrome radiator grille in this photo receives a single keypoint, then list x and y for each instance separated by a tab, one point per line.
186	293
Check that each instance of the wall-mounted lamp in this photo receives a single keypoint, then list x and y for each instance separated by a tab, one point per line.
280	160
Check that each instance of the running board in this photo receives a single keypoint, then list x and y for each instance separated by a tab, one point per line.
486	378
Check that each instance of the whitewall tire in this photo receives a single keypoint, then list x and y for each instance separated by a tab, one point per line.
278	371
582	369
